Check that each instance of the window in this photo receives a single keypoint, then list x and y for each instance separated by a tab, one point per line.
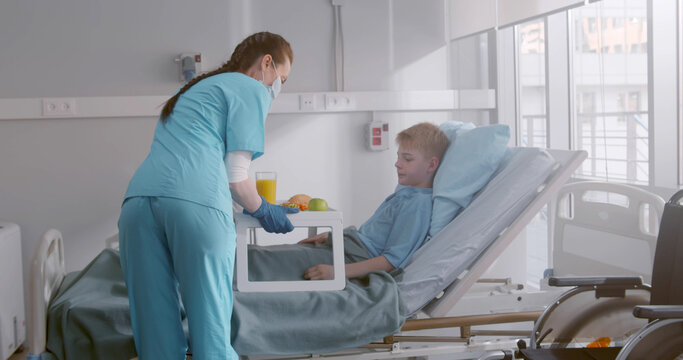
591	25
620	56
609	69
532	125
471	70
531	94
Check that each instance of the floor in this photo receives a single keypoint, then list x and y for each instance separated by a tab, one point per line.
19	355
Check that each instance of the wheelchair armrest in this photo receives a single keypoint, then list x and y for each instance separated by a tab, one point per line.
658	311
596	281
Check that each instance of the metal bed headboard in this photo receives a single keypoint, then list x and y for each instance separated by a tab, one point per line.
47	273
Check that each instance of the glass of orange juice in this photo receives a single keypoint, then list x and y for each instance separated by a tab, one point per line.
266	182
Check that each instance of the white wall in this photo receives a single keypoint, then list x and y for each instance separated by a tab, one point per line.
71	174
90	48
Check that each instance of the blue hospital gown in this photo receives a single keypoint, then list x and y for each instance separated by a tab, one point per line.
399	226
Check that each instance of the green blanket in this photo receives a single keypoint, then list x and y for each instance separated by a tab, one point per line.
89	317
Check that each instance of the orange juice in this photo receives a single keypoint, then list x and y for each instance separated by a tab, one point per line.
266	188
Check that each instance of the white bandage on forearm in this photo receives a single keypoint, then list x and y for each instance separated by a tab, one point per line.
237	163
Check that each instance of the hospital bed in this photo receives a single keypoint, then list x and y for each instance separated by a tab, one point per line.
438	275
444	269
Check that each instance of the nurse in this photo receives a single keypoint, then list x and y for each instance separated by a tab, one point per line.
176	230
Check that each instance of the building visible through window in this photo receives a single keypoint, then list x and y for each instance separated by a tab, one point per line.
611	90
531	94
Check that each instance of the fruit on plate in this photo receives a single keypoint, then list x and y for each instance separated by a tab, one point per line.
298	201
301	199
317	204
296	206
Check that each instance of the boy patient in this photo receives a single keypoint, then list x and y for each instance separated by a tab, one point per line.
400	225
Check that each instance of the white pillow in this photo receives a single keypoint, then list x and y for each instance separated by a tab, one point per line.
470	160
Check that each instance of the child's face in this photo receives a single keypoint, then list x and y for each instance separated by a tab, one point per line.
413	168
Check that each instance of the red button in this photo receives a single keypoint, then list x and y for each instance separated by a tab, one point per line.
376	132
197	58
377	141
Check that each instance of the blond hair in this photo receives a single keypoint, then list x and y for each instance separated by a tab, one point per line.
424	137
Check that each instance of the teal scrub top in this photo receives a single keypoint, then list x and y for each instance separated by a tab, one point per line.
399	226
219	114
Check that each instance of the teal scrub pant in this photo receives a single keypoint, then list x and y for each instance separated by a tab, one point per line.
168	244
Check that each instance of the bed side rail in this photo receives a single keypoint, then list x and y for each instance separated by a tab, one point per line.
112	242
47	273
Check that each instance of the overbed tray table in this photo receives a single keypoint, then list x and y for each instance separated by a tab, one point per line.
311	219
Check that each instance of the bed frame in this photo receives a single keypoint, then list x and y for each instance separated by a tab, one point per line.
48	271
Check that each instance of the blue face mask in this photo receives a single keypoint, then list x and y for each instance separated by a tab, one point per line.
274	89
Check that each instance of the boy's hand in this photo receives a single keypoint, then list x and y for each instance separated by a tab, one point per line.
315	240
319	272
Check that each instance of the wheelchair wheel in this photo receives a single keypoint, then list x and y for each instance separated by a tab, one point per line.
660	339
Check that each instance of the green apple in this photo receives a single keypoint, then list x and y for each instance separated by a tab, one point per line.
317	204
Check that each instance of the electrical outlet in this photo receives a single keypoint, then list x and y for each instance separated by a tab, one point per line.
339	101
307	102
59	107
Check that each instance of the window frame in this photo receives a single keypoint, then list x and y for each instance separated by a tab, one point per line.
518	86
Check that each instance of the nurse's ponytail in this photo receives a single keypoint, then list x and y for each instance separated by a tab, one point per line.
246	53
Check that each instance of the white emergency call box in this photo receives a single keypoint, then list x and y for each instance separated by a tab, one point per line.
377	135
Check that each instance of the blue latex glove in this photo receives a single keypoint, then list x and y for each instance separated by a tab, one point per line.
272	217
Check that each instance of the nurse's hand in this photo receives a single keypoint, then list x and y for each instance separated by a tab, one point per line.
319	272
273	217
